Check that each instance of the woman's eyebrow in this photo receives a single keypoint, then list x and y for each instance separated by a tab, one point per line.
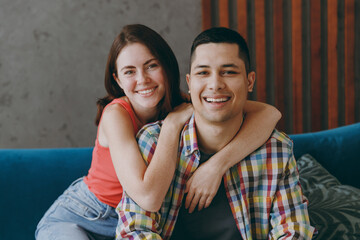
148	61
127	67
131	66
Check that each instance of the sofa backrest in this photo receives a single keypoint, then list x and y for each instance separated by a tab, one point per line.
338	150
31	180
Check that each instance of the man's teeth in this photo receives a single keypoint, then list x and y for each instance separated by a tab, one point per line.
216	99
146	91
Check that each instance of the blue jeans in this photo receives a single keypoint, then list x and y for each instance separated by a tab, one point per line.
78	214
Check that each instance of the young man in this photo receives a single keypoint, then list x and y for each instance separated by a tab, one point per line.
260	197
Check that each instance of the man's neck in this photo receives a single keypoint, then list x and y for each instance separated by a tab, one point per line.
212	137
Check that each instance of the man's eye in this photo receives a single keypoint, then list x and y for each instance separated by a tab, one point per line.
202	73
229	72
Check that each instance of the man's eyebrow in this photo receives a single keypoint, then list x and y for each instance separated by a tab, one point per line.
201	66
230	65
224	65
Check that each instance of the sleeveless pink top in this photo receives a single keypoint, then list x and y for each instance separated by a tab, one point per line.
101	179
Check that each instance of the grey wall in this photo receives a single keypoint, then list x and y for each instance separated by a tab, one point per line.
53	56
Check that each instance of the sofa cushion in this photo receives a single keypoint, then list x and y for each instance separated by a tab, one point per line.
334	208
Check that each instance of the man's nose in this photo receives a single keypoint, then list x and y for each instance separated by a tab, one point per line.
215	82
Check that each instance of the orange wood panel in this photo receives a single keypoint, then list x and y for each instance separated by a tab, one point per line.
349	62
315	72
260	50
242	18
206	14
224	13
296	50
279	60
332	68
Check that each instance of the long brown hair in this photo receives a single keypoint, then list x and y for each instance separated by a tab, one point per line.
137	33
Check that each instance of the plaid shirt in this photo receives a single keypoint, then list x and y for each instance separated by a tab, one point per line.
263	190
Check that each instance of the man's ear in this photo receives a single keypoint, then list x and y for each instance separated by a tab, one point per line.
251	81
117	80
188	80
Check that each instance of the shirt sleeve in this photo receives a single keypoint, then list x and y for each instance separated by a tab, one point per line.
134	222
147	139
289	216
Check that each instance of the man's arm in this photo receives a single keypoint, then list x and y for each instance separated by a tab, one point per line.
289	217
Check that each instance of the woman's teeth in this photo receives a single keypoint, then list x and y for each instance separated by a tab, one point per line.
147	91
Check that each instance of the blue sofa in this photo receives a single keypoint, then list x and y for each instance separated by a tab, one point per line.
31	179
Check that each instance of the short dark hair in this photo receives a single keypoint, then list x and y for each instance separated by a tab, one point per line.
223	35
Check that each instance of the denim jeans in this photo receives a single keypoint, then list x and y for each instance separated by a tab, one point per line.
78	214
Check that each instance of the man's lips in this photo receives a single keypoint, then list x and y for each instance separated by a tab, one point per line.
216	99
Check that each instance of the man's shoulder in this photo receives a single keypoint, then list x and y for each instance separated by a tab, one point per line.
150	130
279	139
278	146
279	136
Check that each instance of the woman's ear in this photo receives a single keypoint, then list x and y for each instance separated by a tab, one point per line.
117	79
251	81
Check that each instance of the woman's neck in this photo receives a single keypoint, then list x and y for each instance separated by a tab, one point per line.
143	115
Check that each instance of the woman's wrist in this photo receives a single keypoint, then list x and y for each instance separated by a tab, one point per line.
171	126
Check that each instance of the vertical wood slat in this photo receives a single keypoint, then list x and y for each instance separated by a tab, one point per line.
315	73
206	14
326	37
279	60
349	61
296	49
260	50
242	18
332	25
224	13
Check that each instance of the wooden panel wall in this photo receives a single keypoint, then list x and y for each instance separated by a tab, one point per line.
305	54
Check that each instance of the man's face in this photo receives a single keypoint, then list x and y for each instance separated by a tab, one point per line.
218	82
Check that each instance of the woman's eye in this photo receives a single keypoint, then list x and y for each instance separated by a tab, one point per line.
129	72
153	65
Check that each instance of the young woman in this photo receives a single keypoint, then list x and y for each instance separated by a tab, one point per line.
142	82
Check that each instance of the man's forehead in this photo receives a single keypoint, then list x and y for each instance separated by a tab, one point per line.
216	53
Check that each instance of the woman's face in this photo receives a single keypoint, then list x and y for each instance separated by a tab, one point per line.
141	76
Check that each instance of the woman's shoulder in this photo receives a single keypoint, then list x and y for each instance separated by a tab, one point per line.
115	110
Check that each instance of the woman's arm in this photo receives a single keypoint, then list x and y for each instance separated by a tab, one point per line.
146	185
259	123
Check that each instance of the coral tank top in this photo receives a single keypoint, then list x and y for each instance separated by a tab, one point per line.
101	179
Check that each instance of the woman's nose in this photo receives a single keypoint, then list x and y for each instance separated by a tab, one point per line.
142	78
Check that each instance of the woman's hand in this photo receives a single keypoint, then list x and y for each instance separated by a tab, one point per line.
202	187
180	114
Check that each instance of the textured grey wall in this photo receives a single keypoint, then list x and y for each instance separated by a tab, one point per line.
53	56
